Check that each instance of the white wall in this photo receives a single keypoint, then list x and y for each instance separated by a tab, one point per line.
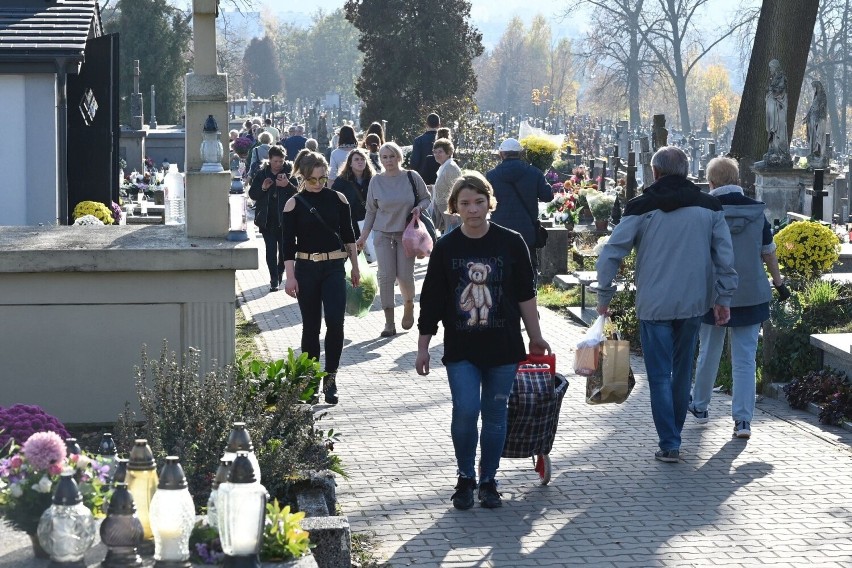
28	150
42	153
13	150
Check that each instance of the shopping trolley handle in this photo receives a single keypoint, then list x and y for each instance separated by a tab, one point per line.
549	360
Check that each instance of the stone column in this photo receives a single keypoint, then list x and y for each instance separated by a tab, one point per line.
206	94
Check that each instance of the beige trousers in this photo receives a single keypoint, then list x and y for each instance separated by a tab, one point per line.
393	266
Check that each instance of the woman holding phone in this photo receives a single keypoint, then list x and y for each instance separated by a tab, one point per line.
270	188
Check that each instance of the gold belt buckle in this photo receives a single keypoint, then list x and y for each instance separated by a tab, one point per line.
317	256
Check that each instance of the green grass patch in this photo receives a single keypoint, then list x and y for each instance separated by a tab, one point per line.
555	298
363	552
246	332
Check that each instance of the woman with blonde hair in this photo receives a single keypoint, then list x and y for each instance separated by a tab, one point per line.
318	238
391	196
479	285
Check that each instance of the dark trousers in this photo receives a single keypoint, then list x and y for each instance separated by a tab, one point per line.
322	290
274	241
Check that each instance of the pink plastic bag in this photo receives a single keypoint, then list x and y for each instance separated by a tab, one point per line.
416	240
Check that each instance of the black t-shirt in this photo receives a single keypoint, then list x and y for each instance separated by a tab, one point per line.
303	232
473	287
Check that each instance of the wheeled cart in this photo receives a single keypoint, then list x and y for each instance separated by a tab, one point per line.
534	406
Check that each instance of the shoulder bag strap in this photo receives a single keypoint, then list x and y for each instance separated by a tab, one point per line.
413	187
316	214
533	218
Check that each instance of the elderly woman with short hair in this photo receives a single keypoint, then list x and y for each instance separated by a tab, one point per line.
448	173
391	196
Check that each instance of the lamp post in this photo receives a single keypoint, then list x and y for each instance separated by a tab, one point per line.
66	529
142	483
211	147
122	531
241	510
172	517
240	441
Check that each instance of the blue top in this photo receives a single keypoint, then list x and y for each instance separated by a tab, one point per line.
511	212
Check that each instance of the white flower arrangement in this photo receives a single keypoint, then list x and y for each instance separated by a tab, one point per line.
88	221
598	249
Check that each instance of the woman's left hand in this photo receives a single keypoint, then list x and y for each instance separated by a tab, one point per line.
539	346
355	274
416	211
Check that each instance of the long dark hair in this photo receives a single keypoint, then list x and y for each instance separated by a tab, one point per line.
347	173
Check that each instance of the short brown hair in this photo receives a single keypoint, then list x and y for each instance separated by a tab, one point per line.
307	160
277	151
474	180
445	145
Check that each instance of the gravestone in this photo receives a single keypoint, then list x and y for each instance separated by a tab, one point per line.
136	106
660	133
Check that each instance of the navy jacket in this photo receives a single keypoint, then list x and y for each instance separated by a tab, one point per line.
530	183
422	161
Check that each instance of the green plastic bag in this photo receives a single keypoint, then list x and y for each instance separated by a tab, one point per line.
360	299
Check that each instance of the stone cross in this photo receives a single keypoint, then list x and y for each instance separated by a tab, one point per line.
204	14
136	106
630	187
153	123
623	131
645	156
693	156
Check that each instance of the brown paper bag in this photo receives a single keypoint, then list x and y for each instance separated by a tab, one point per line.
614	380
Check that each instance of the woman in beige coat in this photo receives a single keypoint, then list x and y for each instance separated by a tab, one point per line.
390	198
448	173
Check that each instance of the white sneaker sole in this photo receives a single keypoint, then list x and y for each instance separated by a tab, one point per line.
743	434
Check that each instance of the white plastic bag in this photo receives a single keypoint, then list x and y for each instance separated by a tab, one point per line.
587	354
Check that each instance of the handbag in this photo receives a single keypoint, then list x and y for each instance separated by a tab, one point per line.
428	223
540	232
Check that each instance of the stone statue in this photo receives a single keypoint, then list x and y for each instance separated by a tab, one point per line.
778	154
816	121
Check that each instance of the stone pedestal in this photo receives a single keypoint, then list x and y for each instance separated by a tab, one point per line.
82	301
131	147
207	204
554	256
785	190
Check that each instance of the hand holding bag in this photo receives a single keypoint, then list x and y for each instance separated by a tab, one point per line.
428	223
587	354
416	240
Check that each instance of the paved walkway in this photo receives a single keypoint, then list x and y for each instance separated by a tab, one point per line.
783	498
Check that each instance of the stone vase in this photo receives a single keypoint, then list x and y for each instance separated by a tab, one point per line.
601	224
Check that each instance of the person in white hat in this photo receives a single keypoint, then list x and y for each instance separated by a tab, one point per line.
518	187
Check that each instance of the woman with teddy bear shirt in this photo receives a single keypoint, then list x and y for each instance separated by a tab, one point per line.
479	284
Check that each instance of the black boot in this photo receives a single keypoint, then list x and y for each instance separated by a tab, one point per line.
329	388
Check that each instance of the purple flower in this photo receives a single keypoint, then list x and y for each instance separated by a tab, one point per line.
43	449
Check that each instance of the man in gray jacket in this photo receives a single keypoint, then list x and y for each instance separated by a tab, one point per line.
684	266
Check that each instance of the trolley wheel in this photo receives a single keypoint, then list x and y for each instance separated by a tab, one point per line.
543	468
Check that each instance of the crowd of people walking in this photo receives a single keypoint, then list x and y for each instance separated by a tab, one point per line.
701	257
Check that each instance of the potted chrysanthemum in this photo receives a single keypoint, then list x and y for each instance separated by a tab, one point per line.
29	473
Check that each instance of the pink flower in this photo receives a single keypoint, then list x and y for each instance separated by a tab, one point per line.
16	462
54	469
44	449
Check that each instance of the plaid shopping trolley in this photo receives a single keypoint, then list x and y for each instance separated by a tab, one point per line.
534	406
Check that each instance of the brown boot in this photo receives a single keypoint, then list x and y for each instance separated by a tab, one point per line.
408	315
390	326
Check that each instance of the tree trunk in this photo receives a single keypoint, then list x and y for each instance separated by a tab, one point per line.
784	32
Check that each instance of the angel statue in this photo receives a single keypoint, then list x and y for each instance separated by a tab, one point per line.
817	120
778	154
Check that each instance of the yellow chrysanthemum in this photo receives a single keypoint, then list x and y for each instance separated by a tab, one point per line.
807	248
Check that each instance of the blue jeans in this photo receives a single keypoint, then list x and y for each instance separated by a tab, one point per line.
466	379
322	291
711	340
669	348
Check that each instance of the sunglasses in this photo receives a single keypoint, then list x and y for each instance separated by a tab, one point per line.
320	180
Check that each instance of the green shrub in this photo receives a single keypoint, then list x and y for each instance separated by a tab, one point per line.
190	416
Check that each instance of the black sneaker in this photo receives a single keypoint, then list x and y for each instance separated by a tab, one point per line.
463	497
273	287
668	456
488	495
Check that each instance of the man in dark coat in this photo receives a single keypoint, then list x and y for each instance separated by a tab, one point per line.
422	160
518	187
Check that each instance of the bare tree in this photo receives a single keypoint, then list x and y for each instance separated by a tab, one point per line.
621	55
671	31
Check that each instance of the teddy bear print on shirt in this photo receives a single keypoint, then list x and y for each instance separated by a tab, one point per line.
475	299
